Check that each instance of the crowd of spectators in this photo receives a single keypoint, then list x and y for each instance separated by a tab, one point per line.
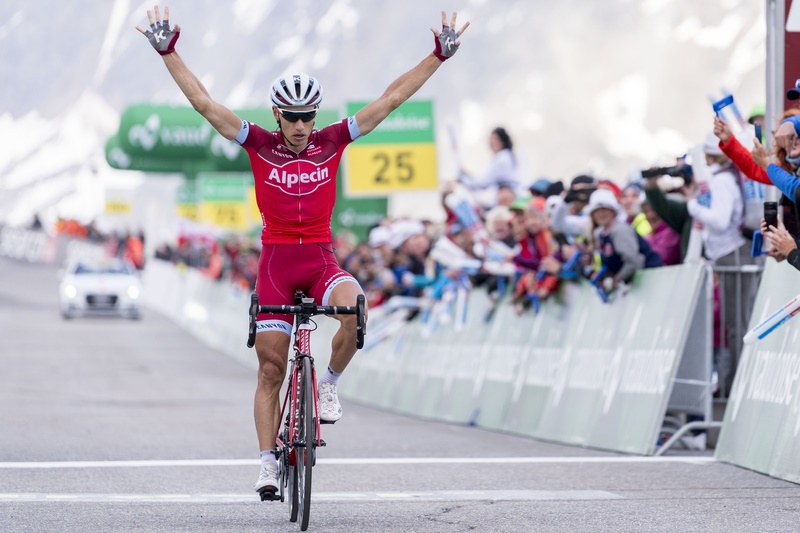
126	244
524	241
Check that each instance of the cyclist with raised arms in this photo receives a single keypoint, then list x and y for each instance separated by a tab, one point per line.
295	170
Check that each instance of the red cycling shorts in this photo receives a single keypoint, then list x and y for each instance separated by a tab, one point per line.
284	268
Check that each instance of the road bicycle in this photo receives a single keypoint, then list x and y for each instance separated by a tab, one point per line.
298	439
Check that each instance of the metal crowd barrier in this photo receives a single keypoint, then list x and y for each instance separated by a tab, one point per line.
745	279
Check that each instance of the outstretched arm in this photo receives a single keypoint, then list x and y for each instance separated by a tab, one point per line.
163	40
401	89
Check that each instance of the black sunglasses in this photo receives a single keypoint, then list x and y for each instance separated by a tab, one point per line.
294	116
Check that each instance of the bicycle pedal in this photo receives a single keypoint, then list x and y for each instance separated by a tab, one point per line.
269	496
322	443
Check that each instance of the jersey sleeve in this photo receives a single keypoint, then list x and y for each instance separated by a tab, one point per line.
341	133
252	136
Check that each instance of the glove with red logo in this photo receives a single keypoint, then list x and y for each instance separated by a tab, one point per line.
161	37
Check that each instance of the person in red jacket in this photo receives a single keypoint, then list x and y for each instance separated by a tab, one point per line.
744	161
536	244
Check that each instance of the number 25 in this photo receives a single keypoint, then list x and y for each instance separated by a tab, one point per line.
405	172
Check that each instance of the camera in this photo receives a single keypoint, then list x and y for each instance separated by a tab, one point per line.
579	195
679	171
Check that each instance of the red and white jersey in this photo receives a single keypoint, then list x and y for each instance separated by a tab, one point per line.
296	192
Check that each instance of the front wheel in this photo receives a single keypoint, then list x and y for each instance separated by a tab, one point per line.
361	321
308	434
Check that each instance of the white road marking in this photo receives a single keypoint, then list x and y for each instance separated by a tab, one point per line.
436	495
361	461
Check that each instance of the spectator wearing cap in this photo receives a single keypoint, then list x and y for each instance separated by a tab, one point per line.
622	250
379	240
540	188
631	200
722	212
788	139
503	169
554	189
411	247
794	92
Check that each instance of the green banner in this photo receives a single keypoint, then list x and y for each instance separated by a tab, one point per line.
761	428
164	131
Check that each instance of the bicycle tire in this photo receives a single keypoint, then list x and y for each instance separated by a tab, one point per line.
361	321
290	456
305	456
294	504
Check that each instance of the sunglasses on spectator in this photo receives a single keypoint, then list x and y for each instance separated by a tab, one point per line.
294	116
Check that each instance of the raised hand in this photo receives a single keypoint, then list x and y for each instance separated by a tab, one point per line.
161	37
760	154
722	130
446	41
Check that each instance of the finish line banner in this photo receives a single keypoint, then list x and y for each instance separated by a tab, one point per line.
761	428
579	372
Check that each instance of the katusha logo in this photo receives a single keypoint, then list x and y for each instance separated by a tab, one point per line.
303	178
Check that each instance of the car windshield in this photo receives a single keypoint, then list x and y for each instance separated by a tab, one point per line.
116	267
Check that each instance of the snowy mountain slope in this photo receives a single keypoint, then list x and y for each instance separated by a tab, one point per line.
580	84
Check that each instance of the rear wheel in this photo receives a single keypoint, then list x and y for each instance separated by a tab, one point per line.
308	434
292	487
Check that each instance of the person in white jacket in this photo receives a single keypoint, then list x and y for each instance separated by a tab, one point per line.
721	211
502	171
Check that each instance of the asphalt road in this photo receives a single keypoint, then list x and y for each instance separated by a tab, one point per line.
115	425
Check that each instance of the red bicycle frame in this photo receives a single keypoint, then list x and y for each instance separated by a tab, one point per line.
302	348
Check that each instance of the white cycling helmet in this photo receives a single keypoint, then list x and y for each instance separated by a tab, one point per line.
296	90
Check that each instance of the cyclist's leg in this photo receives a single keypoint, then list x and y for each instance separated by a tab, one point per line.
272	348
273	335
335	286
343	346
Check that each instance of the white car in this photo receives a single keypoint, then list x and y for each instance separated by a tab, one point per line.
104	286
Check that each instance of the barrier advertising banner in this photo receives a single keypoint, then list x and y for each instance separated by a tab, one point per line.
761	428
612	384
579	372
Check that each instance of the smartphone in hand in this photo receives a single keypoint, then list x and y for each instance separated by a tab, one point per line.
771	214
757	127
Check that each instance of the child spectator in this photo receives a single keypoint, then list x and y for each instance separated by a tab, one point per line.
622	250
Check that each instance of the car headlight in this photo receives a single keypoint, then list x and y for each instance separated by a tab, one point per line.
70	291
133	292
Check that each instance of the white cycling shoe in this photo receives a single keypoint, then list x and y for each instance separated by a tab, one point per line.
330	410
267	478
